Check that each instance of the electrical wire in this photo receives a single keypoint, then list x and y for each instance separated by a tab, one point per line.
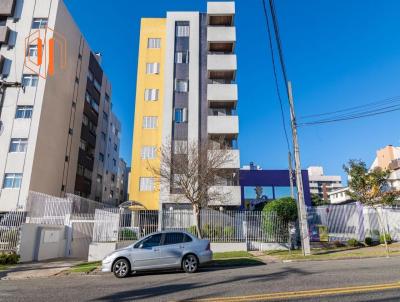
275	75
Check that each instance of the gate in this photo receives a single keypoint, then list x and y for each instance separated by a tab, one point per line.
80	236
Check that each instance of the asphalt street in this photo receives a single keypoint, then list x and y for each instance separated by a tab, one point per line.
310	281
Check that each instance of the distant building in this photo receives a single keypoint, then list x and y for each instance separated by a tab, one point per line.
251	166
388	158
122	181
321	184
339	196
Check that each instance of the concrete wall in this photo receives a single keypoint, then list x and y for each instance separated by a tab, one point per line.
99	250
228	247
42	242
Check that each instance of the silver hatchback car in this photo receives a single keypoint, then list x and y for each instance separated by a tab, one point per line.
161	250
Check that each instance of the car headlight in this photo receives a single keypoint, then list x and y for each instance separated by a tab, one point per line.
108	258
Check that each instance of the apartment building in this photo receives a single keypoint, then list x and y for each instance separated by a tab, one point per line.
58	130
388	158
321	184
186	92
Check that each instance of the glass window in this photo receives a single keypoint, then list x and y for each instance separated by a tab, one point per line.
149	242
94	105
90	76
103	136
154	43
101	157
149	122
182	31
182	57
151	94
148	152
97	85
24	112
146	184
181	85
18	145
12	180
153	68
30	80
33	51
180	115
39	23
173	238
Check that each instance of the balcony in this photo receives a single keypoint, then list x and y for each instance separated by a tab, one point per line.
223	124
7	8
221	62
220	13
221	39
232	195
222	94
232	158
4	34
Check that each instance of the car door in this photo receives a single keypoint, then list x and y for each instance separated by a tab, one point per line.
172	248
146	253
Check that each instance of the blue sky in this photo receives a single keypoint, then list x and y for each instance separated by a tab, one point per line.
338	54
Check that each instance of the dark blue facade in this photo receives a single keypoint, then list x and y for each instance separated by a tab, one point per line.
272	178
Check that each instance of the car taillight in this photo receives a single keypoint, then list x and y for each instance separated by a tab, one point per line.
208	246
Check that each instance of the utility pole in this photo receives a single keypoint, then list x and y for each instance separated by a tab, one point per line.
305	237
291	175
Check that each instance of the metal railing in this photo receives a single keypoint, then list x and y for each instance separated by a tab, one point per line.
10	227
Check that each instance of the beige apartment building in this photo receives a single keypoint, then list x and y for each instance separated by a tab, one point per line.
58	133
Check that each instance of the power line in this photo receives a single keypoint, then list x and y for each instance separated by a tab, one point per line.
354	109
276	76
366	114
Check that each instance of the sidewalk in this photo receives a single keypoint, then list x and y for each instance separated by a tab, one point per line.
37	269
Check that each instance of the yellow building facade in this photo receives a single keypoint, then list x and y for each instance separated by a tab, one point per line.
148	120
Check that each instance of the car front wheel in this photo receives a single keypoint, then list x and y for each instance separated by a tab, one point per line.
121	268
190	264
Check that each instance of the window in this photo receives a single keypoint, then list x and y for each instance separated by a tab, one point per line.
182	30
111	194
173	238
151	94
181	85
146	184
148	152
90	76
180	147
83	145
85	120
18	144
153	68
101	157
103	136
149	122
107	98
94	105
12	180
149	242
97	85
24	112
99	179
33	51
112	177
154	43
114	162
182	57
39	23
115	147
80	170
180	115
30	80
105	116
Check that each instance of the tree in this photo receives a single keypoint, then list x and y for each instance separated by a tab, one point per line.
371	188
191	173
316	200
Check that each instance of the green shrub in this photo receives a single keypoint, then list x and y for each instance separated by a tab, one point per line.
388	239
368	241
229	232
127	234
192	230
285	208
9	258
353	242
212	231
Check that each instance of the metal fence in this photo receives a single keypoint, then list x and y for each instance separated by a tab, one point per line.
10	227
343	222
217	226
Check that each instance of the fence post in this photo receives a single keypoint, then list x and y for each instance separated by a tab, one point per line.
160	219
68	227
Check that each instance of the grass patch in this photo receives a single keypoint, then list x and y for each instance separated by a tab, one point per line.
4	267
234	254
86	267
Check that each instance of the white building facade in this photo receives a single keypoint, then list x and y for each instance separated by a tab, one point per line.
321	184
52	129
